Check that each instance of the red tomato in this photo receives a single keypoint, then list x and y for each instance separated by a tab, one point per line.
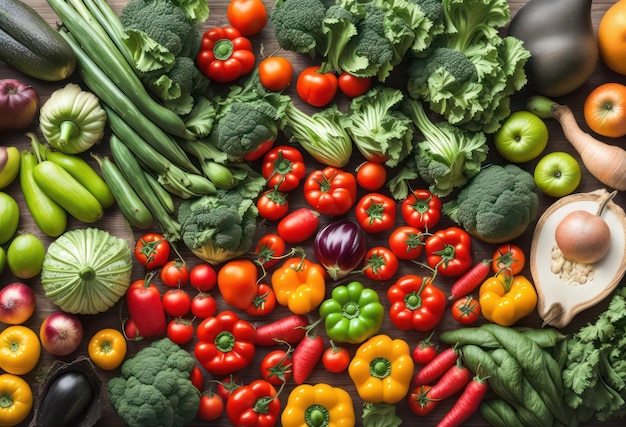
299	225
276	367
180	331
424	352
203	277
203	306
336	359
260	151
466	310
264	303
421	209
508	258
236	281
419	402
197	378
376	212
152	250
353	86
273	204
380	263
330	191
269	249
371	175
227	385
176	302
275	73
283	168
605	110
316	88
406	242
175	273
211	406
248	16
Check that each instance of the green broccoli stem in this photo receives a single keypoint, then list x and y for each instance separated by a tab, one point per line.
67	130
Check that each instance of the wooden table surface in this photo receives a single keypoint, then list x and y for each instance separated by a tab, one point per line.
115	224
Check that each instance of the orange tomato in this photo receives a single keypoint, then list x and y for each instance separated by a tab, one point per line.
605	110
612	37
237	282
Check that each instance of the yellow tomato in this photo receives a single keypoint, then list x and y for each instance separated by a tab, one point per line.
16	400
19	349
107	349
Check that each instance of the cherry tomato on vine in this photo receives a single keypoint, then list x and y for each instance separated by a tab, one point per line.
269	249
508	259
276	367
315	87
203	277
227	385
264	303
371	175
211	406
353	86
380	263
466	310
275	73
336	359
406	242
272	204
175	273
176	302
248	16
203	306
152	250
180	330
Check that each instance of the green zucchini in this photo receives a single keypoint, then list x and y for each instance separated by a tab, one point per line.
49	216
132	207
31	45
63	188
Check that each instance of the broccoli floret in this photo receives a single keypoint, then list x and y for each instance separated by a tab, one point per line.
154	387
298	25
377	126
497	205
218	227
448	156
444	64
433	9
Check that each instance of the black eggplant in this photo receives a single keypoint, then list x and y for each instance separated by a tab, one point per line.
560	37
66	400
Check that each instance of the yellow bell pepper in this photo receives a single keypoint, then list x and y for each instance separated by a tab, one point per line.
16	400
505	300
300	285
319	405
382	369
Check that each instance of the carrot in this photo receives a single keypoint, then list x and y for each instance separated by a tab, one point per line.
290	330
470	280
306	355
467	403
607	163
434	369
451	382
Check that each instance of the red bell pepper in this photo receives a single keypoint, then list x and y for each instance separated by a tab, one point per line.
415	303
225	343
145	308
254	405
421	209
330	191
449	251
283	168
225	55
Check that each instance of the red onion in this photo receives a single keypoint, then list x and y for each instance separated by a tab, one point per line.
19	104
61	333
340	247
17	303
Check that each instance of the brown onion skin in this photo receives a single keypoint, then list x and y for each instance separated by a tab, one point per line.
583	237
19	104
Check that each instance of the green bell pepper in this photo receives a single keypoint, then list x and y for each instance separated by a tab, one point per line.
352	314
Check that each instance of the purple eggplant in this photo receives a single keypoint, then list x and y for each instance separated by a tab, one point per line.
340	247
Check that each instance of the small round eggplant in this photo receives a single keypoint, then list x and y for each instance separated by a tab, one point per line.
340	247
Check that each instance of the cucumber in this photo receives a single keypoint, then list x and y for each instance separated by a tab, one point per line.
63	188
85	174
31	45
49	216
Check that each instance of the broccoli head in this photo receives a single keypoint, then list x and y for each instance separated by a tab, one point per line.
154	387
497	205
218	227
298	25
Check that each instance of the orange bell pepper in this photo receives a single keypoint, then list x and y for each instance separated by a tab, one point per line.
505	300
300	285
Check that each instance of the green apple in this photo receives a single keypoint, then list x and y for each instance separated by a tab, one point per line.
522	137
557	174
9	165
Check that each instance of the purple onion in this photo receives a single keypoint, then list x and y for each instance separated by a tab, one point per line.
340	247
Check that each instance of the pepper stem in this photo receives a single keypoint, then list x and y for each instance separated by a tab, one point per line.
67	131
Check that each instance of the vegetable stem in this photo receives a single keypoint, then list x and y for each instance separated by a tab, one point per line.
67	131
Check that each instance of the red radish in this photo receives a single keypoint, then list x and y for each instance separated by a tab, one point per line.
467	403
306	355
469	281
434	369
290	330
451	382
